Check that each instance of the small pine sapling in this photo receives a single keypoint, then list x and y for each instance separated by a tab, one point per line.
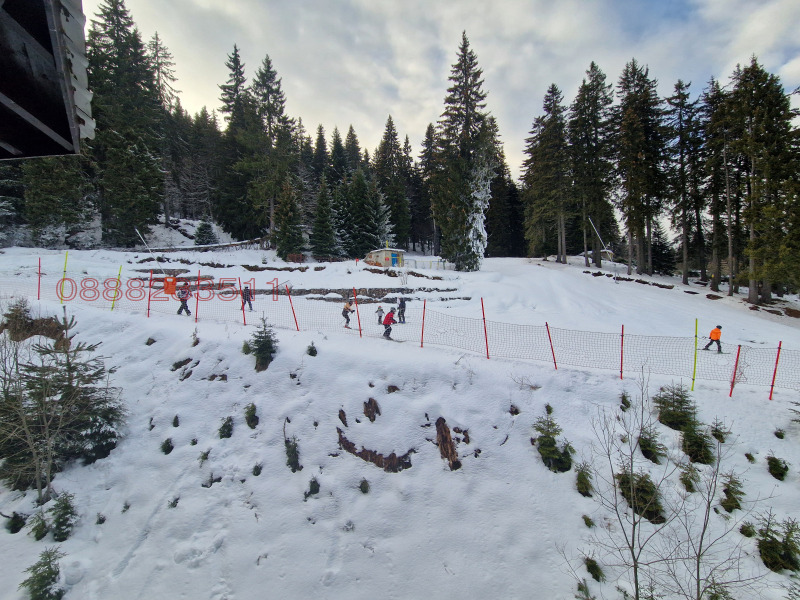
587	520
39	526
750	458
690	477
733	492
641	494
246	348
173	503
747	529
292	455
697	445
556	458
126	506
16	522
257	469
583	591
719	431
176	421
778	544
311	350
226	429
651	448
778	467
64	516
264	344
594	569
364	486
166	446
624	401
313	488
583	479
101	518
203	457
43	581
780	434
675	409
250	416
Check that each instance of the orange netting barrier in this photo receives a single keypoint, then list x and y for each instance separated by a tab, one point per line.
621	352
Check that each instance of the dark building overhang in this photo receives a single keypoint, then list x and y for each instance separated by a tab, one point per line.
45	102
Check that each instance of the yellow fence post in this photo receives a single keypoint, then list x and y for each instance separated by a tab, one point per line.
66	256
116	291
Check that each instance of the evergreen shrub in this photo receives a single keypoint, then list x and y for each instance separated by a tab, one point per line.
292	455
557	458
264	344
64	516
641	495
226	429
777	467
250	416
43	582
39	526
583	480
732	490
651	449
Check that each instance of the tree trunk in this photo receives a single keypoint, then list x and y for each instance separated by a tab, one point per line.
585	240
685	243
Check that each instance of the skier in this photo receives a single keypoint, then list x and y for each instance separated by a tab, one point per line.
401	311
379	312
714	336
246	297
346	311
183	295
387	324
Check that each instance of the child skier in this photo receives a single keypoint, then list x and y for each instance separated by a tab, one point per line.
714	337
246	297
387	324
346	311
183	295
401	311
379	312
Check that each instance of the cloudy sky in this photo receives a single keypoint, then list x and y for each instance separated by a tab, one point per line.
355	62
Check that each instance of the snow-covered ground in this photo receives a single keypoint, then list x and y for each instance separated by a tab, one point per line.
496	528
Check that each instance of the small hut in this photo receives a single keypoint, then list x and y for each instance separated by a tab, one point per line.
385	257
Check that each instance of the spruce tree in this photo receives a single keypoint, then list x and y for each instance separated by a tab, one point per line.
339	167
640	153
323	235
391	178
352	150
204	234
11	197
547	192
234	91
591	148
126	149
319	162
288	223
465	156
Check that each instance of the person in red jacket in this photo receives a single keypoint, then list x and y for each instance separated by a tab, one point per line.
183	295
714	336
388	321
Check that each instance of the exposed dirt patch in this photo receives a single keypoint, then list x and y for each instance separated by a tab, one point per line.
392	389
371	409
464	433
181	363
214	377
343	417
690	292
713	297
792	312
447	448
391	463
48	327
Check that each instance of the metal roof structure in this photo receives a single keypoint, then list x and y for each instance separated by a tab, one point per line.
45	102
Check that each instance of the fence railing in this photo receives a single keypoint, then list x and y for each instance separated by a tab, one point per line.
621	352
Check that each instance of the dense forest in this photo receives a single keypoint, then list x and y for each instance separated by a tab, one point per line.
619	169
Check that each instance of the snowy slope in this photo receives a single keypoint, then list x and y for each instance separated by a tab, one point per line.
492	529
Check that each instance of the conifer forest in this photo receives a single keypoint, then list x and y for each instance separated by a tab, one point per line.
704	181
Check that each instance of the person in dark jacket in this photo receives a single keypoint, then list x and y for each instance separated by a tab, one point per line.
184	294
388	321
247	296
346	312
401	311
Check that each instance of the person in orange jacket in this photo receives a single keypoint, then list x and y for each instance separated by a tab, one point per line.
714	336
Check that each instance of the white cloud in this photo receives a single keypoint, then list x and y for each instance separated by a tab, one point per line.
354	62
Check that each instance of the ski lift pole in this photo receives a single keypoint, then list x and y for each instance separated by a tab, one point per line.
150	251
358	314
422	334
116	290
197	297
621	350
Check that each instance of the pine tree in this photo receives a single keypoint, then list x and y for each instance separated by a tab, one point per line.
684	174
64	517
367	213
319	162
591	152
288	223
547	193
343	218
270	98
352	150
43	581
56	193
204	234
504	218
391	180
11	197
640	159
323	235
422	213
461	188
234	92
126	149
767	146
339	167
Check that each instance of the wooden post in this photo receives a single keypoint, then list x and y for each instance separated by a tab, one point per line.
358	314
288	293
485	333
422	335
775	372
549	337
735	368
